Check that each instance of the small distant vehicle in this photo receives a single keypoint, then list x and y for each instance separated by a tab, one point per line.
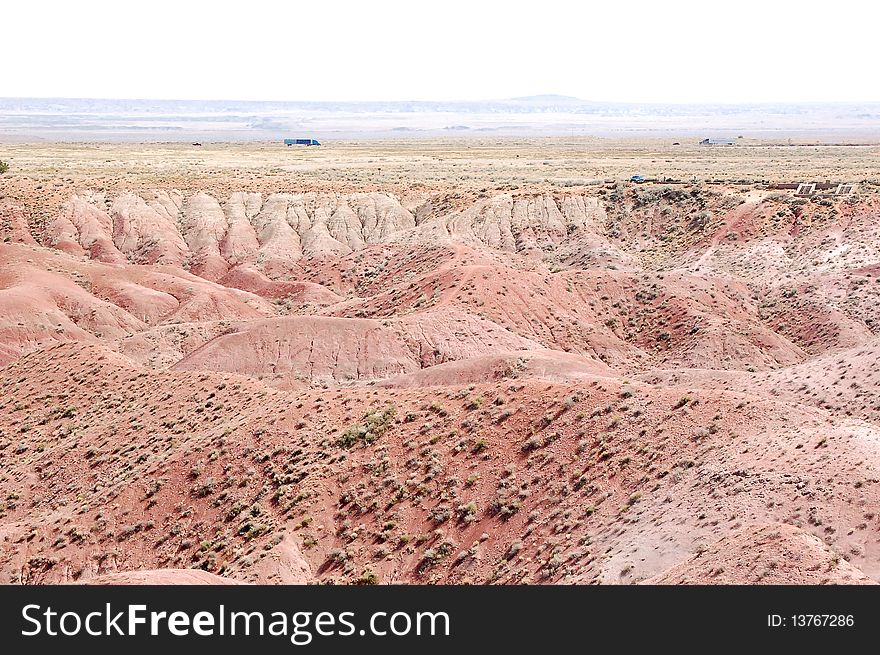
638	179
301	142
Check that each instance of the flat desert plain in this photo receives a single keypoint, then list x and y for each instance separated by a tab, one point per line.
440	361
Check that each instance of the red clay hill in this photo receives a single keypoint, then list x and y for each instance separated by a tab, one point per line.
661	384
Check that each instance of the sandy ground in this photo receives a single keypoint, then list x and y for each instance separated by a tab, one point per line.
439	164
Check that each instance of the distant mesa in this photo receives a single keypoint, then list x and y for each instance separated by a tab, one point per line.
534	115
550	98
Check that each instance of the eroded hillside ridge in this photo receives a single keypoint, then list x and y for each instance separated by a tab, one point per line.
208	235
635	278
741	232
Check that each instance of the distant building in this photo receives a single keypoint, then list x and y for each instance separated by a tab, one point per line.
805	189
718	142
824	188
301	142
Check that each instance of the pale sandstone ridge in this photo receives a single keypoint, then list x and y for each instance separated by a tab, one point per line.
209	235
240	243
529	225
204	226
84	227
146	231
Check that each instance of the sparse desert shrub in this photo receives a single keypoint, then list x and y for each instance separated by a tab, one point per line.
649	195
532	443
373	425
251	529
154	488
368	577
4	166
474	403
467	512
440	514
700	220
206	488
435	555
504	506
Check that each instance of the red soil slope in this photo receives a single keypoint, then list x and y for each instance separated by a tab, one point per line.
650	383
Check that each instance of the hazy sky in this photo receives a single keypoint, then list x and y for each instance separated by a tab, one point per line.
630	50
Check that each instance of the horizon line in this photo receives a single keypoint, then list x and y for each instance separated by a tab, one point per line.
549	97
